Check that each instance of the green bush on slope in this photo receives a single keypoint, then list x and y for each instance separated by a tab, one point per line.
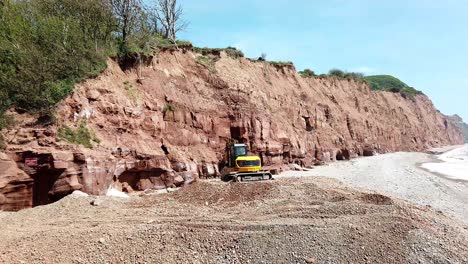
44	50
46	46
80	135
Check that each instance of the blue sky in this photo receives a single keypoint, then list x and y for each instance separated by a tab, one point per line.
422	42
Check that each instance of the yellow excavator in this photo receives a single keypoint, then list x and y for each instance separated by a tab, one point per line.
239	166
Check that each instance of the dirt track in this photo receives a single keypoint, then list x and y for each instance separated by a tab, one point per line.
299	220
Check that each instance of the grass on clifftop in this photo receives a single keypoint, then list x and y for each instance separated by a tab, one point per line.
230	51
346	75
334	73
375	82
391	84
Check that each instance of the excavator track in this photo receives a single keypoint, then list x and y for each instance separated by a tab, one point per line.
249	176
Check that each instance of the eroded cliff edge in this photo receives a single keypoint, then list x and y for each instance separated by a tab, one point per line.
166	123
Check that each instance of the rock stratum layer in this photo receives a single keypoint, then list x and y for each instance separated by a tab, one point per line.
166	123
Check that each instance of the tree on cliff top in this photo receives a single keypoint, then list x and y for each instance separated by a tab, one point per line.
141	29
129	14
169	14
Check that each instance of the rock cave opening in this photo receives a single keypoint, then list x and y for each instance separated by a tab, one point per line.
131	178
142	180
343	154
237	132
368	152
44	181
339	156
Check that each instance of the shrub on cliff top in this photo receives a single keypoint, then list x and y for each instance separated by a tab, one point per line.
336	73
307	73
161	42
230	51
280	63
356	76
234	53
391	84
385	83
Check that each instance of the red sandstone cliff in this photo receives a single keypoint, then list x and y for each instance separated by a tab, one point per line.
169	127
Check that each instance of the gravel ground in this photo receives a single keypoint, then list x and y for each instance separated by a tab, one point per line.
290	220
399	175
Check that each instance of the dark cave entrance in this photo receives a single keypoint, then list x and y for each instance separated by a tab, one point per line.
343	155
309	127
237	132
44	181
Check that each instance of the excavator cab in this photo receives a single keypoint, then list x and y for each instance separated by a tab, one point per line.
242	167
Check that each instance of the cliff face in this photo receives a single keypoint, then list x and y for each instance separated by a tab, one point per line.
166	123
458	121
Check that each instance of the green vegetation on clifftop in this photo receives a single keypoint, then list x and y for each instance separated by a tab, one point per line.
45	49
391	84
307	73
375	82
47	46
230	51
356	76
